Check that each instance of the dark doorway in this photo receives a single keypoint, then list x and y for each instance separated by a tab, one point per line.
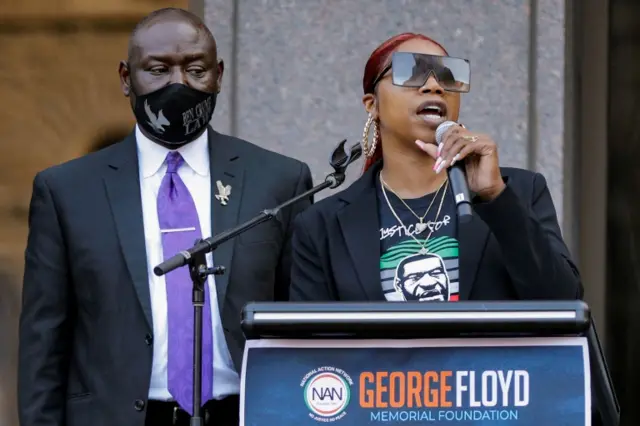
623	204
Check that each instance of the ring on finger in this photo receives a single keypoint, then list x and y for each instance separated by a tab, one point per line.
470	138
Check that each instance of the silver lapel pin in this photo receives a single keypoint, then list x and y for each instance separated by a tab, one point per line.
223	193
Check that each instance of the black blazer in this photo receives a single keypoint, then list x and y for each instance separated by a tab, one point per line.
86	343
512	248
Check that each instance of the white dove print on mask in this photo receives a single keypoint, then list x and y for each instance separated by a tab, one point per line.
175	114
157	122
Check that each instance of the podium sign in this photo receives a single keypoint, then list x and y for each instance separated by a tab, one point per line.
475	381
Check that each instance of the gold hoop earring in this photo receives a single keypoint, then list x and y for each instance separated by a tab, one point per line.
369	150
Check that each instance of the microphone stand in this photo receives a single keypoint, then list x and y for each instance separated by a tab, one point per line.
195	258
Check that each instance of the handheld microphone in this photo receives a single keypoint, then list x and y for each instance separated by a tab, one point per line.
457	179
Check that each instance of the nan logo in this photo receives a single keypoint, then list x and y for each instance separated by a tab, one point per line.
327	392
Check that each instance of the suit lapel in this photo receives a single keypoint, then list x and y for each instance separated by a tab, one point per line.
360	226
225	166
122	183
472	240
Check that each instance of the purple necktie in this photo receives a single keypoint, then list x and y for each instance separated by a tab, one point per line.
180	227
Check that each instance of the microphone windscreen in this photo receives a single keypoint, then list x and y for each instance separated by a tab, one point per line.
441	130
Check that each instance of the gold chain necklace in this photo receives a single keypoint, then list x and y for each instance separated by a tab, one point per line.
423	245
421	226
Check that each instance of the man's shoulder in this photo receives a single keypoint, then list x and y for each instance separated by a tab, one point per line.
267	160
80	168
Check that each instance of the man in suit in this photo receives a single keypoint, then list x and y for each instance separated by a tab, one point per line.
103	341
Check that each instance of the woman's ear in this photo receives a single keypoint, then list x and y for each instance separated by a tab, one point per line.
369	102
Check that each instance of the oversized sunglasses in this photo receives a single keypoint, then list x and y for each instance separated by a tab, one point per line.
413	70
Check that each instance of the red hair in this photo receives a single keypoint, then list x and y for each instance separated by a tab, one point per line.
376	63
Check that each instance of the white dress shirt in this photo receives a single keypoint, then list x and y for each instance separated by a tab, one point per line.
195	174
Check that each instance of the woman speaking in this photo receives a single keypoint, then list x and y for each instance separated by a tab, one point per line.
394	235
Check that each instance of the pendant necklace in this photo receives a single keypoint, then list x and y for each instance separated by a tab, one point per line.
423	245
421	225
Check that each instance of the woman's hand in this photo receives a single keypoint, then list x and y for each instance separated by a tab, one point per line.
480	156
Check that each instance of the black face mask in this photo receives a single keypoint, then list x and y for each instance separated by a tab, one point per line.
175	114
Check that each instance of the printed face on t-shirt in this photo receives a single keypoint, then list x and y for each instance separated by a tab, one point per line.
423	277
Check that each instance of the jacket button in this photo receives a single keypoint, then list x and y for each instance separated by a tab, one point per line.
138	405
148	339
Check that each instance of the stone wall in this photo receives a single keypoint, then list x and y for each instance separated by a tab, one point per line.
293	80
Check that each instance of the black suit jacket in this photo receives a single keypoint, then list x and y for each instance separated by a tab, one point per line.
512	248
86	342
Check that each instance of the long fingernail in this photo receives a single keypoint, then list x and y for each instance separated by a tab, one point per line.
441	166
420	143
440	148
437	163
456	158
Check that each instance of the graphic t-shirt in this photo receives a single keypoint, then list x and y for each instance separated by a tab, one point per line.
407	271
